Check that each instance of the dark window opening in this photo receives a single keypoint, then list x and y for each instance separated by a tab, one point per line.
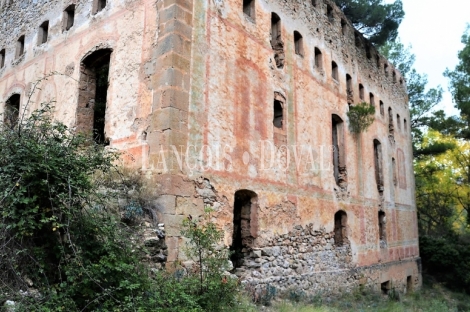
69	17
401	81
278	120
382	111
344	26
98	5
339	166
385	287
245	209
394	74
398	122
391	128
371	99
368	52
91	110
276	40
382	230
349	89
334	70
298	42
20	47
43	33
329	13
12	111
357	39
409	284
318	59
249	8
394	172
2	58
361	92
405	126
386	69
377	59
379	179
341	220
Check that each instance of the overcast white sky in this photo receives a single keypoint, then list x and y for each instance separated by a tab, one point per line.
434	29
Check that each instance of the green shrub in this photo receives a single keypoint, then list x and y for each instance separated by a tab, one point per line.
361	116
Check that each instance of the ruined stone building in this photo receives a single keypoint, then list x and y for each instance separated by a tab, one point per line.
240	105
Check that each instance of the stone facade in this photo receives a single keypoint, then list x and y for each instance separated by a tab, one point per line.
241	106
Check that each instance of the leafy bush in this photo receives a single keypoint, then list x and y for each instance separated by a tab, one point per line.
361	116
214	289
57	238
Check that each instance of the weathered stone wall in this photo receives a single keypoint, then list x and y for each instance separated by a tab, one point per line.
192	85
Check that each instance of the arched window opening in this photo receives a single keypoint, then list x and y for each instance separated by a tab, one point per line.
276	40
379	179
43	33
382	110
341	222
334	71
382	230
245	210
318	59
298	43
361	92
349	89
12	111
69	17
91	110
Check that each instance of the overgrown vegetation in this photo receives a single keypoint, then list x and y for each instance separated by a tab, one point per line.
65	245
360	116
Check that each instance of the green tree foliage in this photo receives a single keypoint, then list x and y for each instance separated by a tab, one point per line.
460	85
215	289
360	116
375	19
63	242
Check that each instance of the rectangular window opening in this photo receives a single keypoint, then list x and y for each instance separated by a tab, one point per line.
378	166
394	173
276	40
2	58
43	33
98	5
334	71
329	13
278	120
344	26
349	89
298	43
382	231
318	59
409	284
249	8
20	47
398	122
382	112
361	92
69	17
371	99
385	287
339	166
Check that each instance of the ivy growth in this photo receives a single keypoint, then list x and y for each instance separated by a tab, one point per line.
361	116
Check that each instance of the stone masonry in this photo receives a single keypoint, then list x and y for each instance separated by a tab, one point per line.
239	105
